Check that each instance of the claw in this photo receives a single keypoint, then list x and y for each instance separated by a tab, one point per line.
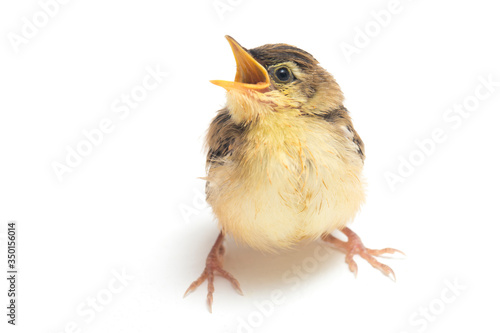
189	290
354	246
214	264
228	276
210	300
353	267
368	254
387	250
196	283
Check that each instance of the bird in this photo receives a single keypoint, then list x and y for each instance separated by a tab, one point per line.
284	162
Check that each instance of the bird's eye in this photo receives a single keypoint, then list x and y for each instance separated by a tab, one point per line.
283	74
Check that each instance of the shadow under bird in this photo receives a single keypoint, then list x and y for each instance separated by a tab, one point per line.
284	161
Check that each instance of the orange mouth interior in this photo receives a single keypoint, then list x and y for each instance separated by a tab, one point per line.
249	73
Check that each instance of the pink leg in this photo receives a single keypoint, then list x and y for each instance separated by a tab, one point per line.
354	246
214	264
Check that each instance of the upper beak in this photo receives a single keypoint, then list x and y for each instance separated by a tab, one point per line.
249	73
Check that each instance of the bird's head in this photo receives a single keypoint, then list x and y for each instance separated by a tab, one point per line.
278	78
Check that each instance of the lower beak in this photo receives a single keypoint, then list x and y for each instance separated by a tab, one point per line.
250	75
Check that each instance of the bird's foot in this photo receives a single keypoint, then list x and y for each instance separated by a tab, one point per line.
354	246
214	265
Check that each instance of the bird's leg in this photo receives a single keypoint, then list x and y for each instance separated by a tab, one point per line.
354	246
214	264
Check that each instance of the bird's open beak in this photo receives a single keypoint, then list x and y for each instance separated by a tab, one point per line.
250	75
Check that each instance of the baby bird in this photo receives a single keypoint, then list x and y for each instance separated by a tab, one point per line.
284	161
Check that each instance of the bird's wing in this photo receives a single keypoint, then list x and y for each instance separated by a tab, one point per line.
341	118
223	134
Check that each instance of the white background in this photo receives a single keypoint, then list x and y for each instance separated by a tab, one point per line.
132	204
